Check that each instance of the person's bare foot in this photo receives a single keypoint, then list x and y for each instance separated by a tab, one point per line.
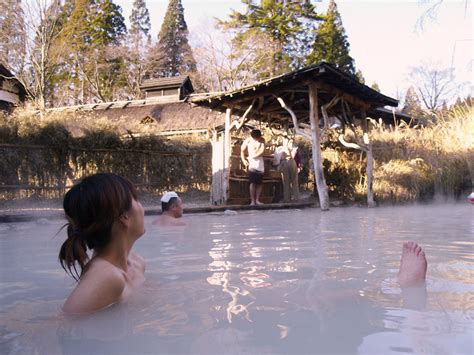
259	203
412	265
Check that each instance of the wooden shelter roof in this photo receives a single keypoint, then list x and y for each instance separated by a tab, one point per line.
293	89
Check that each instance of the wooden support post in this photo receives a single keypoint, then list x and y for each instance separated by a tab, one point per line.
216	172
316	147
370	160
226	166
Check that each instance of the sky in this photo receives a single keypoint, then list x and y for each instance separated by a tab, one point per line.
385	41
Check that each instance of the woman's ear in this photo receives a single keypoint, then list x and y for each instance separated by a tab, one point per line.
124	218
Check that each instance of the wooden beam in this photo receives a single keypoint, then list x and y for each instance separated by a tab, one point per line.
298	130
316	147
227	151
370	160
266	91
345	96
238	124
217	168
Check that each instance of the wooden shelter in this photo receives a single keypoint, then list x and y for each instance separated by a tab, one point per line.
12	92
307	102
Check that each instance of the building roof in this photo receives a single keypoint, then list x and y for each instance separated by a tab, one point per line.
163	114
171	113
6	74
293	89
165	83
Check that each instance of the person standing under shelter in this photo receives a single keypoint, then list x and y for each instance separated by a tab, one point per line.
284	158
255	147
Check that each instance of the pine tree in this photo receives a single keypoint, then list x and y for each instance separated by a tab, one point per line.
375	86
331	44
172	55
139	40
288	24
140	24
12	36
412	104
94	31
105	23
360	76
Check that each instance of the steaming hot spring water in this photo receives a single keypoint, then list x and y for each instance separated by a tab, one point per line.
290	281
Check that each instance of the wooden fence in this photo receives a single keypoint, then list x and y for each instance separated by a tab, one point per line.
44	171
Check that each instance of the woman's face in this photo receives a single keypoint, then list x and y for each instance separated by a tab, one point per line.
137	219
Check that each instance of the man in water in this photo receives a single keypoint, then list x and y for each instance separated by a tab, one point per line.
172	211
255	147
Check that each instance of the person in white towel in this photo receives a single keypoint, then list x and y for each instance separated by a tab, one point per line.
172	211
255	147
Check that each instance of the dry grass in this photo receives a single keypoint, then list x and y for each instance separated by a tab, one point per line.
413	164
410	164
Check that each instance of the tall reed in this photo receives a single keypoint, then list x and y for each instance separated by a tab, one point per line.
425	162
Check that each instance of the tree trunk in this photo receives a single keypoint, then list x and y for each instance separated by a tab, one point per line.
370	160
316	147
227	143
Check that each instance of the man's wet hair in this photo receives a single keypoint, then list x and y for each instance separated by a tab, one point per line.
165	206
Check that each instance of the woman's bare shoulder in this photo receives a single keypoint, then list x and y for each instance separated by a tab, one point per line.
101	286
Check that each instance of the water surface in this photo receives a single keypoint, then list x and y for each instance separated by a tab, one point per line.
292	281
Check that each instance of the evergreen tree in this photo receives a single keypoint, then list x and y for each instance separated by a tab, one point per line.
12	36
172	55
412	104
94	31
331	44
289	24
463	102
375	86
106	24
360	76
139	40
140	24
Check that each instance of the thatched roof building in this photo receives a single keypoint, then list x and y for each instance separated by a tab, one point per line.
168	116
12	92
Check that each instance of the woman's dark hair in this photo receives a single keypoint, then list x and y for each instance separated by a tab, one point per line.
91	207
